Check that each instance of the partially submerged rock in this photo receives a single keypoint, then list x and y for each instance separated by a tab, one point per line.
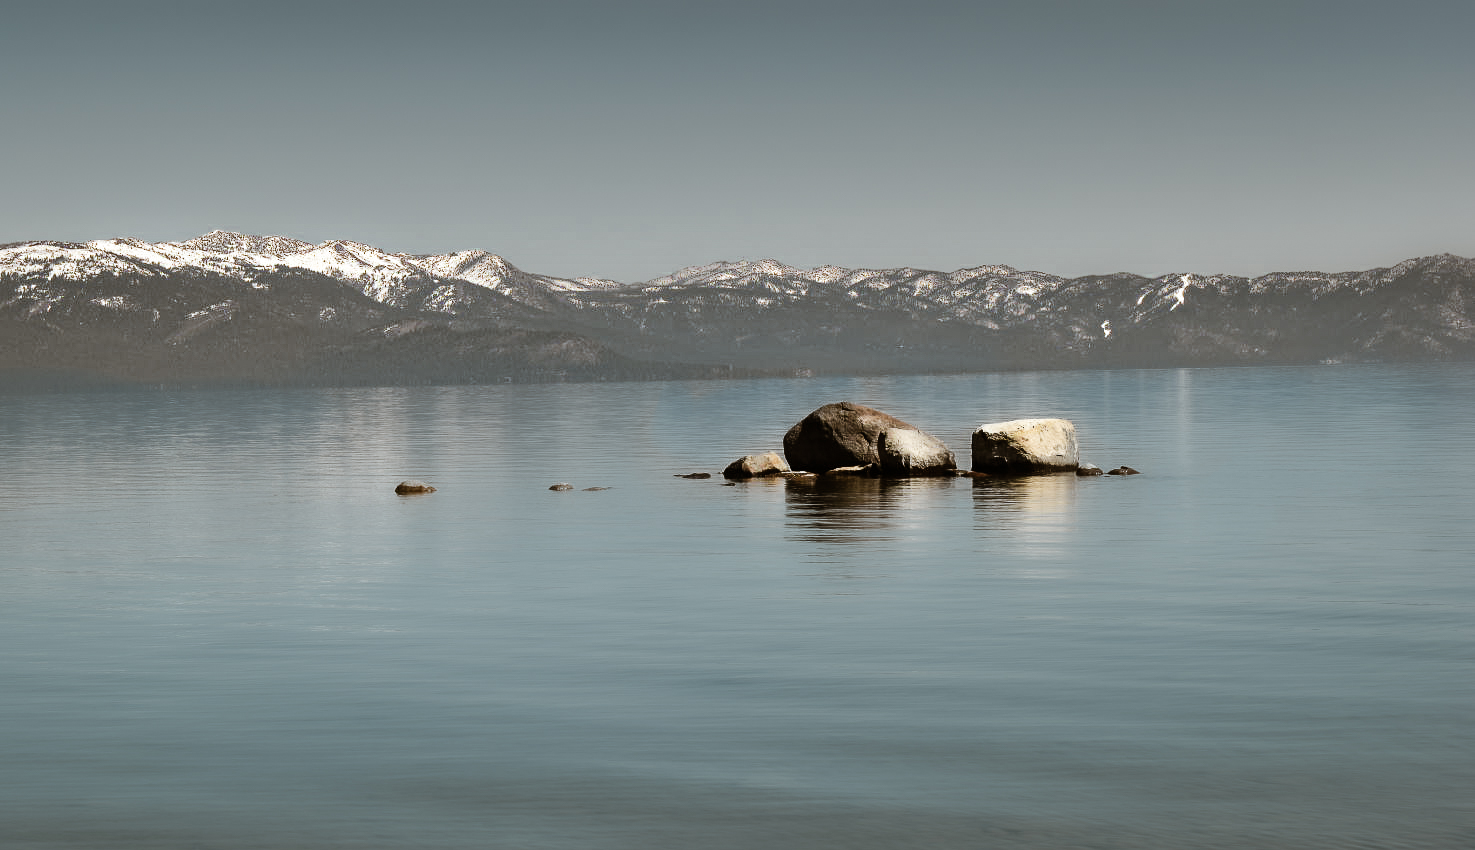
845	434
413	488
561	486
756	466
1124	470
695	475
1086	470
907	451
1025	446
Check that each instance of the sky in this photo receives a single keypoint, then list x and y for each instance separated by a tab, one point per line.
628	140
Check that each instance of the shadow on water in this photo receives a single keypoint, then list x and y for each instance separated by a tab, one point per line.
855	503
850	510
847	519
854	509
857	527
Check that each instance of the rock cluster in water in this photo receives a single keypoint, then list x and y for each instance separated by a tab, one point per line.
852	439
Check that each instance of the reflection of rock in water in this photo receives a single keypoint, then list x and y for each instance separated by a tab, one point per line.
1032	493
853	509
1036	510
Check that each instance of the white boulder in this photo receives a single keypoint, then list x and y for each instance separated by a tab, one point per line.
1024	446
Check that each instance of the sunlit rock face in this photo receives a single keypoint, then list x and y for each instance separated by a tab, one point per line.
1025	446
906	451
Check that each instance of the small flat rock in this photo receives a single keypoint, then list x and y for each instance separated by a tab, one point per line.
696	476
594	489
869	469
756	466
413	488
561	487
1124	470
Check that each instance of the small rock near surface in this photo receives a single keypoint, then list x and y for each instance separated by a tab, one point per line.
413	488
696	475
561	487
756	466
1124	470
1026	446
1088	469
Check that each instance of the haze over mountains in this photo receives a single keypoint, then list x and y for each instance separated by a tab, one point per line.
233	308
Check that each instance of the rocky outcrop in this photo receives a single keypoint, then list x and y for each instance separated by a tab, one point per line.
845	434
907	451
756	466
1026	446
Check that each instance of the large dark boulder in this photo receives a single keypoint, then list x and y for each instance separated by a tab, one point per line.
845	434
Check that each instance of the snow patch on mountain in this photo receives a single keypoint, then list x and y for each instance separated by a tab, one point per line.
143	253
201	320
1178	295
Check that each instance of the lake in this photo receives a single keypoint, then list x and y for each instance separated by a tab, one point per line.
220	629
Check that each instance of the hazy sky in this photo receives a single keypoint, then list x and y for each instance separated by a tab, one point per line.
627	140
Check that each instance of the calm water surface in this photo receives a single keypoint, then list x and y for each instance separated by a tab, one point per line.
219	628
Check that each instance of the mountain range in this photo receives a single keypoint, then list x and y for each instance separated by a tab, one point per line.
269	310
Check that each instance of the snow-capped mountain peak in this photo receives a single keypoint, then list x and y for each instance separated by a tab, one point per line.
227	242
734	312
